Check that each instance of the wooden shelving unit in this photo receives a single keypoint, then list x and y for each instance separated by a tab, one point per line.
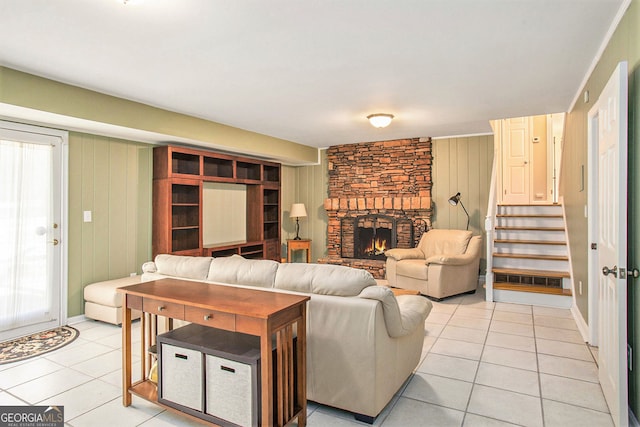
178	175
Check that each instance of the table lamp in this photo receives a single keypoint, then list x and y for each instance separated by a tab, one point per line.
298	211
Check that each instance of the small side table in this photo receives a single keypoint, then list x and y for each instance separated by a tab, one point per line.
294	245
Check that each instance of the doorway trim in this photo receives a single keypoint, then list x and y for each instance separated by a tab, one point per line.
63	189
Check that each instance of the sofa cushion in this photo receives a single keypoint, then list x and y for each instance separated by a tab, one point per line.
402	315
438	242
324	279
104	293
190	267
416	268
236	270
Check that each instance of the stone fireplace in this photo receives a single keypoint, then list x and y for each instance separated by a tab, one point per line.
379	198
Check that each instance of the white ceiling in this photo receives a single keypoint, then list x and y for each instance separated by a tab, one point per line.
310	71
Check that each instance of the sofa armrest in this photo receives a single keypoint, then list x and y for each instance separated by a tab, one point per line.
402	315
401	253
149	267
463	259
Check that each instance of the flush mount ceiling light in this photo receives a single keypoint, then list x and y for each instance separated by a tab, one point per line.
380	120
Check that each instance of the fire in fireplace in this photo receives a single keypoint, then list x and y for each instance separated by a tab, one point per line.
374	234
369	236
372	242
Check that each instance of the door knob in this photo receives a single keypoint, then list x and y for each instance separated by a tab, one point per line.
634	273
606	271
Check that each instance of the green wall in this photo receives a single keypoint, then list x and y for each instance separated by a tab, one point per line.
464	165
112	179
623	46
28	91
308	185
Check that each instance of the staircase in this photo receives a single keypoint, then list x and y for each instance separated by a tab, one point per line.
530	256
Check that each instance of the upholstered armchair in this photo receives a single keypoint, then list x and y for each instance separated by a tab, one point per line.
445	263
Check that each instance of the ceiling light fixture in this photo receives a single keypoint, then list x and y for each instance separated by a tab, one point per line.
380	120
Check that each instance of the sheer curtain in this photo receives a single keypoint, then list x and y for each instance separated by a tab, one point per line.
26	218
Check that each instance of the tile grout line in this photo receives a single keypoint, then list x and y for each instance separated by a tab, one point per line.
475	377
535	345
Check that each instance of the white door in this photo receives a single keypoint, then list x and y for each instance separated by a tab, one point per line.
608	133
515	155
31	218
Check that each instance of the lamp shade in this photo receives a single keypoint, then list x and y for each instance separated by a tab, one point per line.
380	120
298	211
453	200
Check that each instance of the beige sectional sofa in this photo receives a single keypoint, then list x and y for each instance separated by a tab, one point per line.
362	341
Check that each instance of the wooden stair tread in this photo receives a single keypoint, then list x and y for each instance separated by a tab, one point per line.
533	256
536	273
503	227
530	242
532	288
527	216
529	206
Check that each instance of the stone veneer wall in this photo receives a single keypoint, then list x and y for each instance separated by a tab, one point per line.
386	177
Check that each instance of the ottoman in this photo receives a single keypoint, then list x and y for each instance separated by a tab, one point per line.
103	302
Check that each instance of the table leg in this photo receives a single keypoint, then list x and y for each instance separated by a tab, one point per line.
126	352
301	357
266	363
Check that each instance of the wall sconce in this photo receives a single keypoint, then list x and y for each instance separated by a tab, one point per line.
298	211
454	200
380	120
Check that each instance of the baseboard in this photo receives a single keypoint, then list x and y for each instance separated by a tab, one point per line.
76	319
580	322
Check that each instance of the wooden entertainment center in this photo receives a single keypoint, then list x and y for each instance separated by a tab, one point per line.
178	177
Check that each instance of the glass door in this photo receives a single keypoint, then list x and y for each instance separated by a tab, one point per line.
30	217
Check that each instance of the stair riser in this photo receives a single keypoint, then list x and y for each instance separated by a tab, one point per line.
530	264
530	210
533	299
511	248
554	236
530	222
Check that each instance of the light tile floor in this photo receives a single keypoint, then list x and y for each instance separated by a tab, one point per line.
483	364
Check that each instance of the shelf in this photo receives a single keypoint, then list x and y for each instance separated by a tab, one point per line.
185	239
217	167
186	164
271	173
250	171
185	194
146	390
185	216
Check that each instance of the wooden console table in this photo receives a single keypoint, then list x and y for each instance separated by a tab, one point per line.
255	312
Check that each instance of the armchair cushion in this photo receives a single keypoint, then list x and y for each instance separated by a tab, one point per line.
449	242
